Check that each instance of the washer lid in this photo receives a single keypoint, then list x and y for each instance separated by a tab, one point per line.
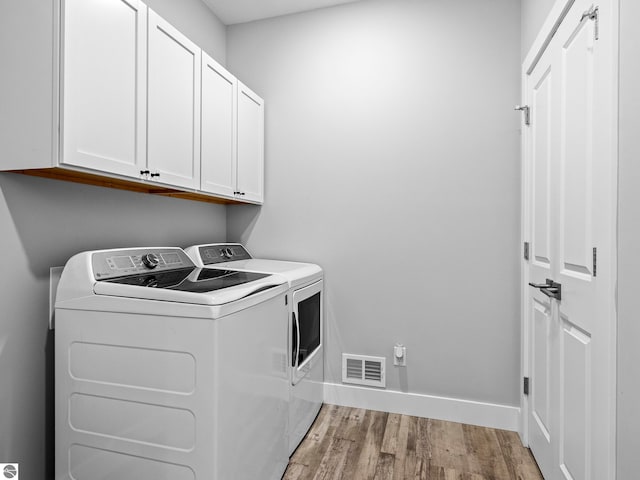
295	272
204	286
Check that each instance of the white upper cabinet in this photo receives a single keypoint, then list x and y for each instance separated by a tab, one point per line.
218	129
127	101
173	121
250	182
103	85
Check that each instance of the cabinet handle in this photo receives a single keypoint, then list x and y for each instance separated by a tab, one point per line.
155	175
144	172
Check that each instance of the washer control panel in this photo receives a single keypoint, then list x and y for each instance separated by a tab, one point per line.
222	252
120	263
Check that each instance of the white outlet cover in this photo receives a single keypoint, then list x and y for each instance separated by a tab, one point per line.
402	360
54	278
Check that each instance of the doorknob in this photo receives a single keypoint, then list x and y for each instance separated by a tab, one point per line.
551	289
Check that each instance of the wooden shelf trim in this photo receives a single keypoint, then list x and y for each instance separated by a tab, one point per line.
122	184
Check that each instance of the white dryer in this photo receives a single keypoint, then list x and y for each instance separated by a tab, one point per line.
165	370
306	326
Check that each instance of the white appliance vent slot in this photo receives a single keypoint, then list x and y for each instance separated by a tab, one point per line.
363	370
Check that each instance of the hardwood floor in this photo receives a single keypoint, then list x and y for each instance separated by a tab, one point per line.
356	444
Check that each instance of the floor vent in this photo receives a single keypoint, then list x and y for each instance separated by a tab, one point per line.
363	370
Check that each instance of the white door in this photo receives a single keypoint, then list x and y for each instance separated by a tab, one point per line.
173	149
104	85
571	225
250	183
218	129
543	144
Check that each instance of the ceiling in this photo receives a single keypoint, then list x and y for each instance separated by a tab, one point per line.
240	11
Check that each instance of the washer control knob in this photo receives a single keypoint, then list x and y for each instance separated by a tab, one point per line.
229	252
150	260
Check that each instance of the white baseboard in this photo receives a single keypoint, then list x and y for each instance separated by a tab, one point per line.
470	412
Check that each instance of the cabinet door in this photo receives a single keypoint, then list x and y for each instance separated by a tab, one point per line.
250	145
104	85
173	142
218	129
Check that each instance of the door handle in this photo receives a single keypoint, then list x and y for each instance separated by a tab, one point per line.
295	344
551	289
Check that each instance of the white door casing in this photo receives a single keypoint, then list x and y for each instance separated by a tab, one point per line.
104	51
570	191
173	143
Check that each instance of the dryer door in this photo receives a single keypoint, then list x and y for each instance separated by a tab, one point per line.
306	329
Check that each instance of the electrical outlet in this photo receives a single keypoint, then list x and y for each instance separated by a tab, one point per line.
400	355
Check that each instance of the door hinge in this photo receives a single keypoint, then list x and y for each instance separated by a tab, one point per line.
525	386
595	261
526	250
593	14
527	113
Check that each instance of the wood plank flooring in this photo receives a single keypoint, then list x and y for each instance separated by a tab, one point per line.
355	444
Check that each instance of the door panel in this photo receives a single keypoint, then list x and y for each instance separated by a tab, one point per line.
174	105
541	105
577	152
576	409
576	226
104	74
541	394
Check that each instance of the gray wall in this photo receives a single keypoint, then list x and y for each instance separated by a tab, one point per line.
197	22
392	160
44	222
628	240
534	13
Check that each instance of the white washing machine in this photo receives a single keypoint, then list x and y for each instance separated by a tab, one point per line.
169	371
306	329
